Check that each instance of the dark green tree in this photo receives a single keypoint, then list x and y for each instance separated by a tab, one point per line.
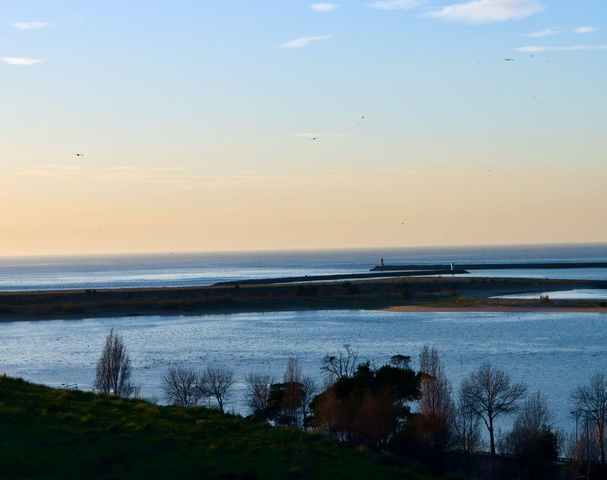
370	406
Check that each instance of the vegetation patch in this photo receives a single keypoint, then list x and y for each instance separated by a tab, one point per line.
49	433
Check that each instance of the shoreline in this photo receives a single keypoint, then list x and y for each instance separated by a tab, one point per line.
393	309
493	308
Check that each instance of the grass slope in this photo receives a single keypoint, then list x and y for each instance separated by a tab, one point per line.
48	434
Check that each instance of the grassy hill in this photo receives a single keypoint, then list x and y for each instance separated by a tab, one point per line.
47	433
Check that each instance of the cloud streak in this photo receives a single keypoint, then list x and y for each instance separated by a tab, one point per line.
553	31
126	173
321	135
30	25
19	61
396	4
323	7
583	30
487	11
543	33
304	41
572	48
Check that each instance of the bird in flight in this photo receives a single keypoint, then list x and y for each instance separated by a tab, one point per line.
79	155
313	138
509	59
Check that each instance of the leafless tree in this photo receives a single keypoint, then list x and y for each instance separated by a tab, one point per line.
489	392
289	401
113	371
467	431
258	390
436	409
292	396
591	406
182	386
216	382
309	388
535	414
533	439
342	364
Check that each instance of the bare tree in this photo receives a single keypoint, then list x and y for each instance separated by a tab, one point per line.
489	392
535	414
467	431
292	395
182	386
342	364
258	390
309	388
436	408
216	382
113	371
591	406
533	438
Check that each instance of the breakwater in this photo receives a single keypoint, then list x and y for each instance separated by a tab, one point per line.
490	266
345	276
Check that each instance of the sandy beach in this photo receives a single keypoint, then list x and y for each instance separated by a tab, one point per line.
495	308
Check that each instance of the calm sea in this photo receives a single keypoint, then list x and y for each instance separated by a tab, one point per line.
198	269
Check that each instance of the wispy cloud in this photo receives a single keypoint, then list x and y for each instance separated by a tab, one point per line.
323	7
30	25
553	31
544	33
572	48
583	30
304	41
321	135
126	173
58	167
396	4
19	61
487	11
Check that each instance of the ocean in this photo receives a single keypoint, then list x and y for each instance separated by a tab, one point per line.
200	269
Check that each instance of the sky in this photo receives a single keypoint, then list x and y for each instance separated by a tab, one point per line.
221	125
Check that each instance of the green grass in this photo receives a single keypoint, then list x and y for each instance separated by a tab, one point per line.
48	434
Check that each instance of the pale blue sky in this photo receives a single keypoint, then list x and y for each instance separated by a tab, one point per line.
195	122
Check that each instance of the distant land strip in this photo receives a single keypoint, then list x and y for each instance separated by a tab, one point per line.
420	293
489	266
345	276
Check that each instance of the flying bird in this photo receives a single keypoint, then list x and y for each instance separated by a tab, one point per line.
313	138
79	155
509	59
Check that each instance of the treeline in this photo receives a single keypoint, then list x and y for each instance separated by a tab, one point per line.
391	407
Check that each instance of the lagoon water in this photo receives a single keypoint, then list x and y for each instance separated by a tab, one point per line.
552	352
